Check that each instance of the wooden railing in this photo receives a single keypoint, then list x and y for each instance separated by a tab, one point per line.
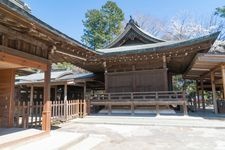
140	96
29	115
137	99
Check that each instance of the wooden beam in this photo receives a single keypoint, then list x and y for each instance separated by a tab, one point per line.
21	62
211	70
46	114
12	34
22	58
214	92
71	55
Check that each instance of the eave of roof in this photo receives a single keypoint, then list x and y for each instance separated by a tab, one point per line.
203	64
157	47
55	77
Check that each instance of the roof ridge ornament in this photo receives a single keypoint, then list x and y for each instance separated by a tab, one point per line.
132	21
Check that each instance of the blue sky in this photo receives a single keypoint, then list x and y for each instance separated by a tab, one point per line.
67	15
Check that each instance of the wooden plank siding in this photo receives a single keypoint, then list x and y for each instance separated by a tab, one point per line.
137	81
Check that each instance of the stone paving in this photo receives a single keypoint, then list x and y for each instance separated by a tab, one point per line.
134	133
144	133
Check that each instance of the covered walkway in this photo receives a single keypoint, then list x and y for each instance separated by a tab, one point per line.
209	72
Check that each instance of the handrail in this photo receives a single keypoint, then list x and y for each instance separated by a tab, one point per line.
158	95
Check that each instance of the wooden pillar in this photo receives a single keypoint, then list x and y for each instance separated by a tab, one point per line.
109	104
85	100
65	102
156	104
65	92
7	86
197	92
132	103
106	77
133	80
170	81
46	114
223	79
11	98
85	90
31	98
165	73
185	109
56	93
164	62
214	92
202	93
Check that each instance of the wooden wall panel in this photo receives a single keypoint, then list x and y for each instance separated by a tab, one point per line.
152	80
7	80
119	82
138	81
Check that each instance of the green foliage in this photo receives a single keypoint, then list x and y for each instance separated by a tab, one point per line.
179	84
220	11
101	26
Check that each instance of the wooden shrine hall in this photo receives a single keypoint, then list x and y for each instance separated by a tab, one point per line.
136	69
139	67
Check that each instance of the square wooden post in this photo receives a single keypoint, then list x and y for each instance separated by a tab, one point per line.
85	99
214	92
106	77
223	78
165	73
133	78
31	99
65	102
202	92
156	104
197	92
7	82
11	99
46	114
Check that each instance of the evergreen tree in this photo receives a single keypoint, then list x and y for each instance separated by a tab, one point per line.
101	26
220	11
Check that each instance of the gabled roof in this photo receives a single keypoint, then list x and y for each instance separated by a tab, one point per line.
156	47
135	34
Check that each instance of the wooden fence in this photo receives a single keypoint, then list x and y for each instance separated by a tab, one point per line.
29	115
